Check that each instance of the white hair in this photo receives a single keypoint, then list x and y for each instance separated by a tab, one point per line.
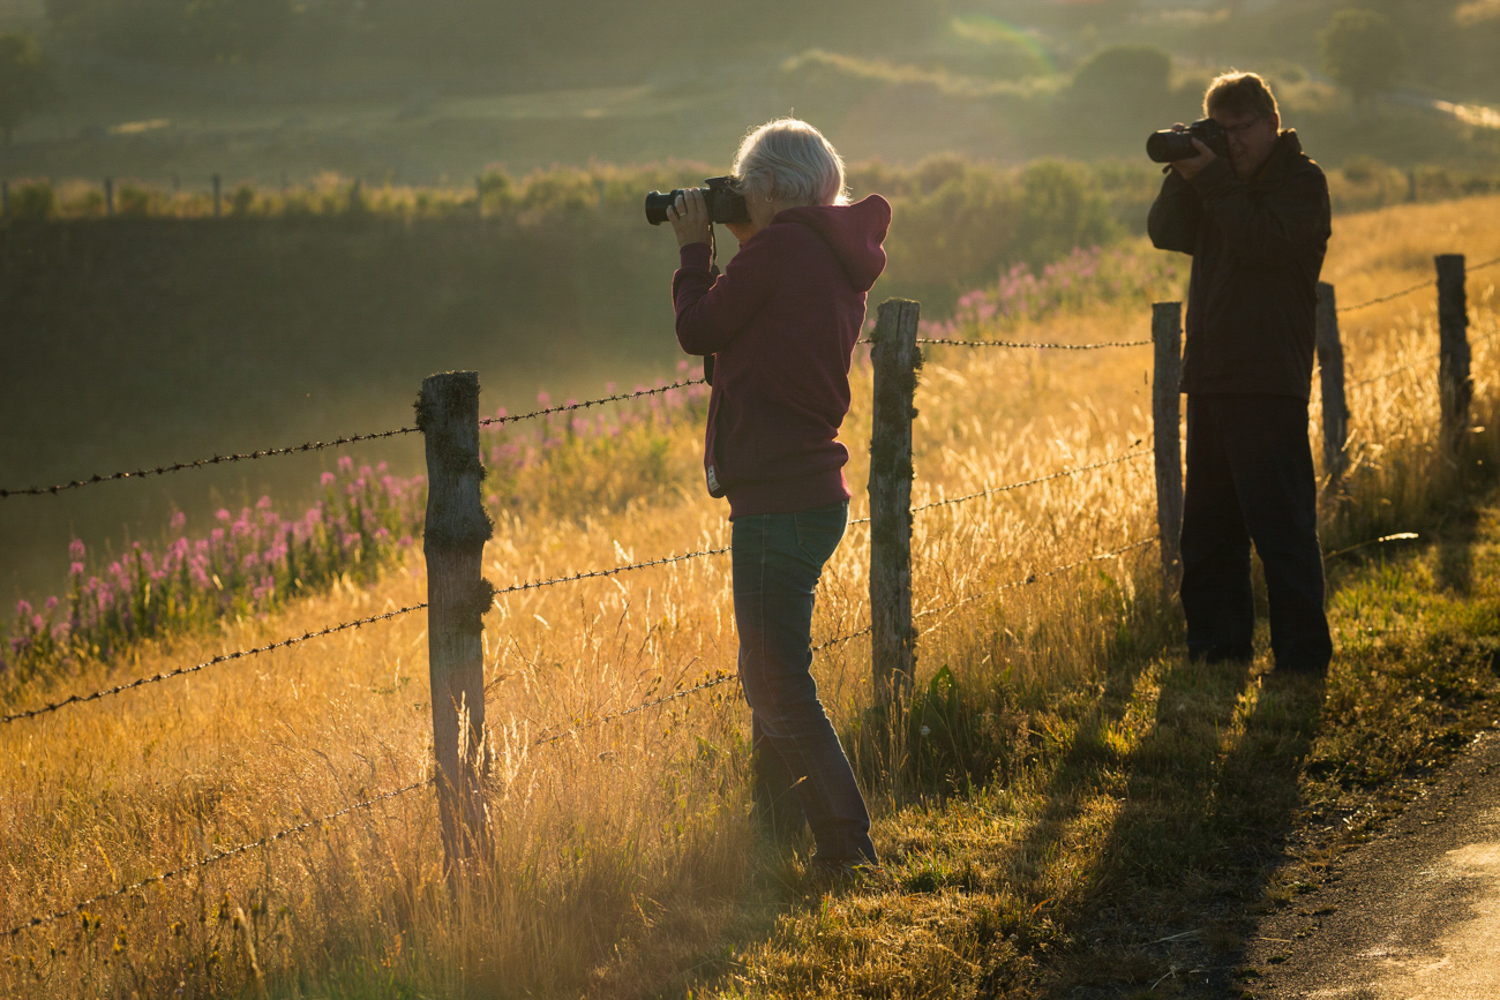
789	159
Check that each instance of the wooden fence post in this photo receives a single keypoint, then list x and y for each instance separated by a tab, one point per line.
109	196
896	359
1166	414
457	597
218	198
1454	380
1335	406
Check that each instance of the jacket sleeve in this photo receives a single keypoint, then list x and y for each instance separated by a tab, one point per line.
1268	228
1176	215
710	312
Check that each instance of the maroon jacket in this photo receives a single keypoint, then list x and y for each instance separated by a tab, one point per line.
778	328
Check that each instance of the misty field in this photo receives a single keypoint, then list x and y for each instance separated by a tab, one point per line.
624	862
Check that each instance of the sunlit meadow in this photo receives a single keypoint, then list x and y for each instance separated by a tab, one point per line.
623	855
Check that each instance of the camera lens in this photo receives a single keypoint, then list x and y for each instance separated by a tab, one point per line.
657	205
1168	146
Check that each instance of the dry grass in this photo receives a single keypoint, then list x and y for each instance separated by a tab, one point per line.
624	862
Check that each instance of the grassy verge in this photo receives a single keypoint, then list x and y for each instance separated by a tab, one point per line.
1153	813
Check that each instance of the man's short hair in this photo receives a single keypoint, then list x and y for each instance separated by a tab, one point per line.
1240	94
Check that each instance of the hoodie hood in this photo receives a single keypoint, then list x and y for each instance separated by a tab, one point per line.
853	232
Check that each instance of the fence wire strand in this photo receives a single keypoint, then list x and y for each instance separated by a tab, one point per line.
720	678
47	918
1413	289
79	699
204	463
593	573
1038	346
1031	482
616	398
311	446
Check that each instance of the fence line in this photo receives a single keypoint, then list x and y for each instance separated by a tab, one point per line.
203	463
358	623
724	678
47	918
1040	346
1409	291
1031	482
489	592
720	679
225	658
1016	486
591	574
617	397
312	446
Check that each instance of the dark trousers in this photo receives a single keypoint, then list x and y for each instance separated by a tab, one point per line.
1250	478
800	768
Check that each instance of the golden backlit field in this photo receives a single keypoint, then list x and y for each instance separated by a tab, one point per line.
625	864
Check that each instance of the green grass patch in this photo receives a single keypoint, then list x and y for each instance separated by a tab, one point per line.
1118	841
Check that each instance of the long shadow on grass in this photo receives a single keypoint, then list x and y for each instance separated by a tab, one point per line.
1211	792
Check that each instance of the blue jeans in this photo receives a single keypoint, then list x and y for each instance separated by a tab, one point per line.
800	768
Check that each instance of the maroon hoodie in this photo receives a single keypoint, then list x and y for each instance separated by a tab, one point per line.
778	328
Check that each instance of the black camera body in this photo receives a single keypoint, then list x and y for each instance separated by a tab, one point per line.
1169	146
725	204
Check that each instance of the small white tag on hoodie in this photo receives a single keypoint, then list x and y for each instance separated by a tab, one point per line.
713	480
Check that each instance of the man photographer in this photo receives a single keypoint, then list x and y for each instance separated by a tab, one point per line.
1256	222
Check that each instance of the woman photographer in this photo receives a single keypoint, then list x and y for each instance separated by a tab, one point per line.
776	330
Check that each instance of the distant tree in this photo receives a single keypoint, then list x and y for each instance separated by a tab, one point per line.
25	81
1124	73
1364	51
1122	89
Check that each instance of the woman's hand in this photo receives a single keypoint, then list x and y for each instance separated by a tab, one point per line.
689	218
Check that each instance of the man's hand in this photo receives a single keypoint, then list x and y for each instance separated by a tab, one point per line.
689	218
1190	167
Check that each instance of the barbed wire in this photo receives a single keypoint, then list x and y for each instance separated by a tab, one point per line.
1031	482
1016	486
47	918
590	574
312	446
719	678
1038	346
617	397
1395	371
225	658
1414	288
204	463
359	623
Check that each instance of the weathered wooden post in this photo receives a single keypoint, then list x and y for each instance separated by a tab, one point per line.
218	198
896	360
1335	406
1454	380
109	196
1166	417
457	598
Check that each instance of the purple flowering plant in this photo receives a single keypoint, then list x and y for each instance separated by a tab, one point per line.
1085	277
249	562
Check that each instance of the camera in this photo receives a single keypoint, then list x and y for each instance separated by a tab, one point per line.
725	204
1168	146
